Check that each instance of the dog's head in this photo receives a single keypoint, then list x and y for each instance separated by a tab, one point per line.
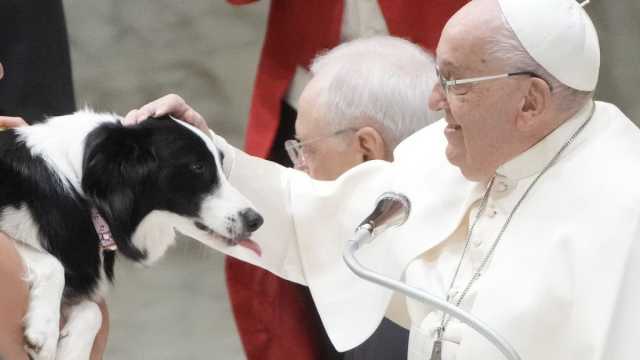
159	175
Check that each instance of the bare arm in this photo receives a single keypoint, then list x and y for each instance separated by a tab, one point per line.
13	306
13	301
100	344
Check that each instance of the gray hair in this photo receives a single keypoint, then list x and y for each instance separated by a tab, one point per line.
505	45
383	81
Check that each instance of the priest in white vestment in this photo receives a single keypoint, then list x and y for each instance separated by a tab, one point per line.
526	212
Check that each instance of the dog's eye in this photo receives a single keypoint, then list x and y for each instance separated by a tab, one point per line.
197	167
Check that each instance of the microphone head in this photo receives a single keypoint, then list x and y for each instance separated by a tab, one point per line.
392	209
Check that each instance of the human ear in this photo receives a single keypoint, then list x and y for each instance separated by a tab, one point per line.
370	144
535	102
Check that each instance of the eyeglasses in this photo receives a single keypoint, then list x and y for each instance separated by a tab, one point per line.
295	147
462	86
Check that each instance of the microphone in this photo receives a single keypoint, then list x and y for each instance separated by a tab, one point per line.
393	209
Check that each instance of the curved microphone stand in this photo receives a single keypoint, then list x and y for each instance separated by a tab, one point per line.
392	209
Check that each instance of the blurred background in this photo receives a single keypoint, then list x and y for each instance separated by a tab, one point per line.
125	53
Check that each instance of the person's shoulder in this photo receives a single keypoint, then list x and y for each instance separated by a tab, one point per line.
616	136
618	122
611	157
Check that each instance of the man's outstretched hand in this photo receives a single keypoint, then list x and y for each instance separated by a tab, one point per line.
171	104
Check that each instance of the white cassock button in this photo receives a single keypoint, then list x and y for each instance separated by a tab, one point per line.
492	212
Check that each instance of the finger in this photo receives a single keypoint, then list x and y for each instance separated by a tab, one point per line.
12	122
144	112
148	110
171	104
194	118
130	118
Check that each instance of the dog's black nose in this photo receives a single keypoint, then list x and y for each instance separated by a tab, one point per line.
252	220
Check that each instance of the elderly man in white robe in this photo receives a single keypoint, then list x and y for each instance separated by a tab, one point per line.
525	213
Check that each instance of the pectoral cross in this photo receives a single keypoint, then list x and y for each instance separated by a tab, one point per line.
436	353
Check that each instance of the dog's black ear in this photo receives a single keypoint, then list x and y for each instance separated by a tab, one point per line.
117	163
118	154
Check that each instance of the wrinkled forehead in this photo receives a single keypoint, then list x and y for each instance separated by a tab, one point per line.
465	39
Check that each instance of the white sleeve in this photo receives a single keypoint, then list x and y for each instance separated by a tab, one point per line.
306	225
268	186
308	222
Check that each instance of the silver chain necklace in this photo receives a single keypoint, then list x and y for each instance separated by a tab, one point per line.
436	353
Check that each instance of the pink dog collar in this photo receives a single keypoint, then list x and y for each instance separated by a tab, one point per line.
104	233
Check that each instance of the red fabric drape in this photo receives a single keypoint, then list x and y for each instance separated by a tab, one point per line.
296	31
276	319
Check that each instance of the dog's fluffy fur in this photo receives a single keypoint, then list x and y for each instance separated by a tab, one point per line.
144	180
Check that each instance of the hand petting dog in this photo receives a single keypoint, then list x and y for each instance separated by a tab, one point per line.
172	105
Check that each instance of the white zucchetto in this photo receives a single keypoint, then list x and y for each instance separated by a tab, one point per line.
560	36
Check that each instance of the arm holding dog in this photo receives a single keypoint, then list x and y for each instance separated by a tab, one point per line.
13	307
13	302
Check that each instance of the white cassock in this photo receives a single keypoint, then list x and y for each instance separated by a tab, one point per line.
564	282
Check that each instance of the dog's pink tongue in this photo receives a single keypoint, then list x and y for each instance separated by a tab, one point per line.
251	245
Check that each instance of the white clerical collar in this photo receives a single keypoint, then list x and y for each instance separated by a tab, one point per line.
538	156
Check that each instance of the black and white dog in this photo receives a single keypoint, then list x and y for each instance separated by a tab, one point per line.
71	185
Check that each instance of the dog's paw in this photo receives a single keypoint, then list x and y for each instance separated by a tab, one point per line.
69	348
41	340
77	336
